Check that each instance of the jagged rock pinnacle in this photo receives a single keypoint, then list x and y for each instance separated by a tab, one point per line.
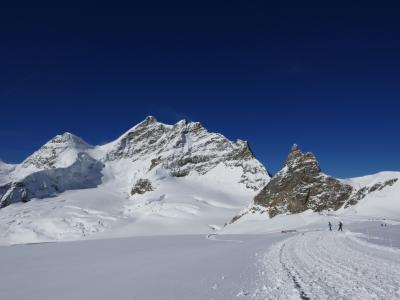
150	120
301	185
294	155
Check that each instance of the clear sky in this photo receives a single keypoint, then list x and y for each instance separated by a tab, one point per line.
326	76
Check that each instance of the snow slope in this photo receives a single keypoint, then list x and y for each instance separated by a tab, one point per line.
5	171
329	265
162	267
195	204
312	263
384	203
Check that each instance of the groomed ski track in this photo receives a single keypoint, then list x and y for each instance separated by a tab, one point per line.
329	265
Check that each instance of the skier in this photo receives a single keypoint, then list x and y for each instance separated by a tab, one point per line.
340	226
330	226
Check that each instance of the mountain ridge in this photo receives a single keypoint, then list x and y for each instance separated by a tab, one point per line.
157	178
181	149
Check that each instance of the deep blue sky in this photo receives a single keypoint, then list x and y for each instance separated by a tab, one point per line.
324	76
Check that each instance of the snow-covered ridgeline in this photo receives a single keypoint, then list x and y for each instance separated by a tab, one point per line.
195	181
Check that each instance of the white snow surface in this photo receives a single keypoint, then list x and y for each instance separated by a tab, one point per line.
5	171
380	204
329	265
363	262
189	205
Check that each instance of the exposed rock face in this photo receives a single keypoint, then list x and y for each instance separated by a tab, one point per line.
141	187
301	185
187	147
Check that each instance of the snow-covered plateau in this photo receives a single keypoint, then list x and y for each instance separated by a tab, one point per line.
363	262
177	212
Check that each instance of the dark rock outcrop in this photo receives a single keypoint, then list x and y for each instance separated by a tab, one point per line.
300	186
141	187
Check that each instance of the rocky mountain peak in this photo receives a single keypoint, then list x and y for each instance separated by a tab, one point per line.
187	127
147	121
301	185
186	147
60	151
297	161
138	140
295	147
294	154
69	140
182	122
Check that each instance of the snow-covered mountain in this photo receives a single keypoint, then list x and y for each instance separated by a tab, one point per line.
181	149
154	178
60	152
172	179
301	187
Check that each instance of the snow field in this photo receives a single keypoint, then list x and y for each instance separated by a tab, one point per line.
329	265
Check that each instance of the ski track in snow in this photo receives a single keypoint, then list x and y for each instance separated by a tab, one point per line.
214	237
329	265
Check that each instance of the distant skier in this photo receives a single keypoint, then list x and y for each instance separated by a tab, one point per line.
340	226
330	226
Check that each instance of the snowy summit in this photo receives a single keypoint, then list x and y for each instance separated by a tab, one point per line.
154	178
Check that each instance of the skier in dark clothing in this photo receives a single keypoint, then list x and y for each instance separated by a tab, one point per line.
330	226
340	226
